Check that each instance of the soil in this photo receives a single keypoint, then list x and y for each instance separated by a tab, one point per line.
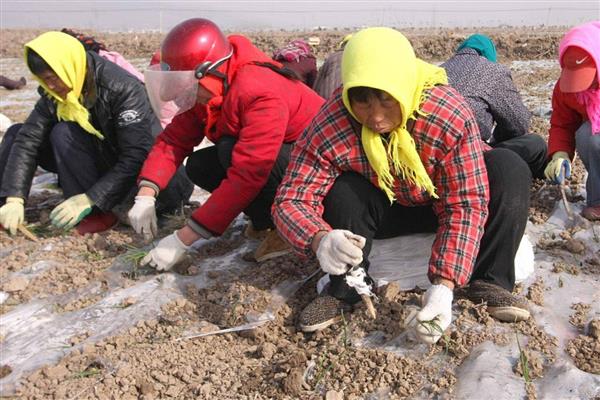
430	44
150	360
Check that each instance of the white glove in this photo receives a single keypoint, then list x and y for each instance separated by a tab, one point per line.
437	307
142	216
12	214
337	249
168	252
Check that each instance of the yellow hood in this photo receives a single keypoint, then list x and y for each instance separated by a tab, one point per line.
67	58
382	58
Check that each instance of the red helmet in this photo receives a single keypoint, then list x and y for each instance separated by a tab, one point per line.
194	45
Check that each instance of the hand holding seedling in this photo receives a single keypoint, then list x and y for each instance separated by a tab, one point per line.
436	314
167	253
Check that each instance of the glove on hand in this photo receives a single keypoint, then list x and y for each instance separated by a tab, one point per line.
142	216
12	214
168	252
437	307
558	168
68	213
337	249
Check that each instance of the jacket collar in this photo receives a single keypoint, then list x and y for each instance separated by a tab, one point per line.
89	92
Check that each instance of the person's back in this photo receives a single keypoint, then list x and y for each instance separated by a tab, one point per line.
329	76
490	91
501	115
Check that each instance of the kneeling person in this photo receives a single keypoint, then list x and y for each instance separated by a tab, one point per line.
92	126
397	151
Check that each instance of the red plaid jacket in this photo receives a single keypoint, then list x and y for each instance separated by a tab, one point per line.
447	139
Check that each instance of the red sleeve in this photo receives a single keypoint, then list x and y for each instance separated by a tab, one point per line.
564	122
173	144
264	120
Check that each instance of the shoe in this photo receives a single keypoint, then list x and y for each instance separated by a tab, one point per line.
272	246
251	233
321	313
501	304
97	222
591	212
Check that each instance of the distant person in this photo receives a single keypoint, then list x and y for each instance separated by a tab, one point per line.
575	120
329	76
91	44
488	87
250	107
92	125
11	84
297	56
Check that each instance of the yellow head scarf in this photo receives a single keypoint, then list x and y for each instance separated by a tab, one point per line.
67	58
382	58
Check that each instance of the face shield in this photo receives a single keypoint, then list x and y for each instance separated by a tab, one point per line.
170	92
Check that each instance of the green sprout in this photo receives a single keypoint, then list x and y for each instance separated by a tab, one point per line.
523	360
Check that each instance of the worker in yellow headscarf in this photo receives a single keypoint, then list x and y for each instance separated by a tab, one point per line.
93	126
396	151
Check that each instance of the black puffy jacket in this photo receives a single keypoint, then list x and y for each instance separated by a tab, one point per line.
119	109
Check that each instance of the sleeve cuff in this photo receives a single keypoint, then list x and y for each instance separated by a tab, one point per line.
149	184
199	229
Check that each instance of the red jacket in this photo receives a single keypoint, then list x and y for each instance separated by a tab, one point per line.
567	117
262	109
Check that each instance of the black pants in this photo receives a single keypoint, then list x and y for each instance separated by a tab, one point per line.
531	148
71	153
355	204
208	167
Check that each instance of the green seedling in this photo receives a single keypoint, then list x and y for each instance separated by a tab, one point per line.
433	326
324	366
92	256
523	360
134	255
345	338
86	373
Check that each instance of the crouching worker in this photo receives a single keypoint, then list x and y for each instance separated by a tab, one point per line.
92	126
396	151
249	106
575	120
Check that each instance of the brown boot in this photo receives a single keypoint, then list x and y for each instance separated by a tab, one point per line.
501	304
591	212
251	233
321	313
272	246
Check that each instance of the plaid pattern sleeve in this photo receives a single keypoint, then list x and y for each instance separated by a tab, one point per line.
449	138
298	206
448	142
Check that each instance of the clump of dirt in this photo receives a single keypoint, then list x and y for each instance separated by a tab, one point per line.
530	391
535	364
77	304
561	266
5	370
535	292
539	340
594	329
585	352
579	317
542	201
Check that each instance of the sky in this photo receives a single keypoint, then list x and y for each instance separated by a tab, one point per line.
134	15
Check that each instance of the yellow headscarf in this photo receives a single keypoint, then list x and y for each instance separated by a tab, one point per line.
382	58
67	58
